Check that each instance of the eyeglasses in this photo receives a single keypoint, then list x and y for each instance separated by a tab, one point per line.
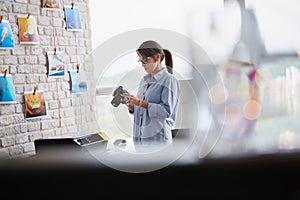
144	60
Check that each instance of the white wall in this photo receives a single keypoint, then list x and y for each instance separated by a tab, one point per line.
110	18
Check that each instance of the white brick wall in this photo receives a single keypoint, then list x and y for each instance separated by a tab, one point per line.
28	67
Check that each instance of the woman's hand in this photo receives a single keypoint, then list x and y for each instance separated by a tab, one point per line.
132	100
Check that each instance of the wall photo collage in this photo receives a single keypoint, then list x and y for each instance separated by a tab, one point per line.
35	103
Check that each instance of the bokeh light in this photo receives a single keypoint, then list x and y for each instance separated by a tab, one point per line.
233	113
252	110
218	94
263	77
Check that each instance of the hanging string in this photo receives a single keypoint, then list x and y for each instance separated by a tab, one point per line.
77	68
74	33
57	95
7	109
53	29
77	65
3	61
76	44
38	128
9	130
8	120
58	103
27	6
76	48
34	82
32	64
3	51
63	3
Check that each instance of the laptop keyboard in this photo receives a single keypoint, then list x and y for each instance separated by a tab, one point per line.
89	139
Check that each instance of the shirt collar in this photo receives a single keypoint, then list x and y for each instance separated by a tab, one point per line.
157	76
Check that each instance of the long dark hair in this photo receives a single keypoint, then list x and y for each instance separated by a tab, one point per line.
150	48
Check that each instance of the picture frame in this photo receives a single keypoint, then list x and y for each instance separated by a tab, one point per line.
73	22
78	85
28	33
51	4
35	105
7	89
56	67
6	35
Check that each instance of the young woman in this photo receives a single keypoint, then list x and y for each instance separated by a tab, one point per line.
155	106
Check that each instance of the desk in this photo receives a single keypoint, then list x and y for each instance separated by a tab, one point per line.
127	158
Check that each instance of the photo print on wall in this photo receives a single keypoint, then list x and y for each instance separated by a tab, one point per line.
35	104
28	33
6	40
7	89
56	66
51	4
78	82
73	22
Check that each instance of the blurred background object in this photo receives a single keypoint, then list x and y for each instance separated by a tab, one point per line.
253	107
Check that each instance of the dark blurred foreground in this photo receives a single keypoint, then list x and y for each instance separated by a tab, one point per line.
266	176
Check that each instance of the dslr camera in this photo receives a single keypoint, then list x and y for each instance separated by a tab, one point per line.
117	98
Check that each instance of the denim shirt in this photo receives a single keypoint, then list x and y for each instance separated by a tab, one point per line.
162	93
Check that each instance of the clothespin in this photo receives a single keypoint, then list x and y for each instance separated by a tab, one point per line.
77	67
73	4
5	72
1	17
34	90
28	15
54	51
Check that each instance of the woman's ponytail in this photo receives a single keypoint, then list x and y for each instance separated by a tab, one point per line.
168	60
